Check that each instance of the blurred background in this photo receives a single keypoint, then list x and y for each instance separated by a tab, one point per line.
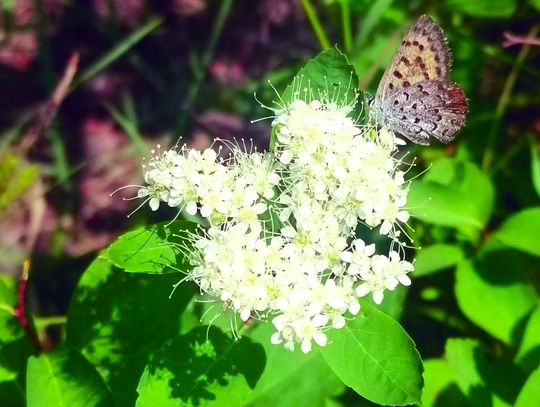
87	88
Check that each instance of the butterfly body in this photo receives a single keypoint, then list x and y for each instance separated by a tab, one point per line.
415	99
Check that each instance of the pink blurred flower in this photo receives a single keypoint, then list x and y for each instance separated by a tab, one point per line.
18	49
109	84
274	12
228	71
19	45
110	164
188	7
127	12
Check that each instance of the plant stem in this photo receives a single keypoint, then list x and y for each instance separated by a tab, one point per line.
503	101
47	112
316	24
44	322
19	311
117	51
346	23
508	155
61	163
129	123
200	71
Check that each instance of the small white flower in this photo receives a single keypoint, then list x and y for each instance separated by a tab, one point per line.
385	274
359	257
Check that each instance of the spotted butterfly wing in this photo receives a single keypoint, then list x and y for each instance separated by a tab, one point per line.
414	98
427	109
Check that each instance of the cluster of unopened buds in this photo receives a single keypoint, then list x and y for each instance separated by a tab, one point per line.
282	242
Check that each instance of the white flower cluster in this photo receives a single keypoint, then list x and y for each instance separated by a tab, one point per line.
282	241
200	182
346	169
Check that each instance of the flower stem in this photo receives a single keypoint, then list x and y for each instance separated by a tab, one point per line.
117	51
504	100
199	72
19	311
346	23
316	24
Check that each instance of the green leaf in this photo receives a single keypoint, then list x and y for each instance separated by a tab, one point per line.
535	4
485	380
528	355
530	394
453	194
15	347
375	356
394	302
521	231
65	378
118	319
202	368
483	8
329	74
440	388
152	249
291	378
435	258
496	285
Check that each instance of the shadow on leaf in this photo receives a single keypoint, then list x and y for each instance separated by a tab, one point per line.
117	320
203	365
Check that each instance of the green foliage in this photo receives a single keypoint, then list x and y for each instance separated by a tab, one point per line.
528	354
15	178
520	231
152	249
15	347
484	288
535	163
469	375
530	394
443	197
65	378
291	378
482	378
389	374
202	368
483	8
440	388
394	302
535	4
435	258
116	320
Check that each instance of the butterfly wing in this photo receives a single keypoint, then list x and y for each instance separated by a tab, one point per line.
434	108
422	55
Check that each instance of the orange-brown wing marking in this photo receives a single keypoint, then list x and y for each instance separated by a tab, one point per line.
422	55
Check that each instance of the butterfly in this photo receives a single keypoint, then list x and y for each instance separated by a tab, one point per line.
415	98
